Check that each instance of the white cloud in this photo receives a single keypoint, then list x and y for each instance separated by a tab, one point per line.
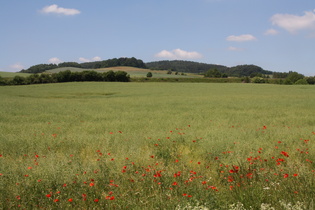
271	32
54	60
55	9
16	67
294	23
235	49
96	58
178	54
84	60
241	38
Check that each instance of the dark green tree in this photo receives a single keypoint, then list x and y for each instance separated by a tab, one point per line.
213	73
311	80
293	77
149	74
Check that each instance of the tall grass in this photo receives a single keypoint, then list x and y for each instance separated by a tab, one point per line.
156	145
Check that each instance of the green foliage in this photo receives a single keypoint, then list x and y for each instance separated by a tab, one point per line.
310	80
69	64
246	80
68	76
214	73
195	67
301	82
183	66
133	62
246	70
278	75
149	74
39	68
121	76
293	77
2	82
258	80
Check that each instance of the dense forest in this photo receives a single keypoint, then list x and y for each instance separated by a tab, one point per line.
39	68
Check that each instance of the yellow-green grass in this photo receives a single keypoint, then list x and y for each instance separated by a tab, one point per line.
156	145
12	74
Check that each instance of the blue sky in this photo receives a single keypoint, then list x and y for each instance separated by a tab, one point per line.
278	35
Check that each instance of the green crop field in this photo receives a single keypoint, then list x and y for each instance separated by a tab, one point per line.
98	145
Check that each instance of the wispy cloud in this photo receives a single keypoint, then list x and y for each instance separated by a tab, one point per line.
16	67
294	23
55	9
178	54
235	49
96	58
241	38
271	32
54	60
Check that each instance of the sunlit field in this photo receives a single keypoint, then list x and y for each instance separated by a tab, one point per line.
157	146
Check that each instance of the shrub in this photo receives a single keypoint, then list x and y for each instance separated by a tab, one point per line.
258	80
310	80
301	82
149	74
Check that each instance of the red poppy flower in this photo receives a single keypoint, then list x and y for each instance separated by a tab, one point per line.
285	153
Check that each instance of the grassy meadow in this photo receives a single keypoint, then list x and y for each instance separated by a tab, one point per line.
98	145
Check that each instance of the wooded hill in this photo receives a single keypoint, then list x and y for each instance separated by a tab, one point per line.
133	62
200	68
175	66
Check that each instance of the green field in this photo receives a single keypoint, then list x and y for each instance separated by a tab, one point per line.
12	74
157	146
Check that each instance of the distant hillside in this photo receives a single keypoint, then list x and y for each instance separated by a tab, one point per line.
245	70
174	65
133	62
183	66
200	68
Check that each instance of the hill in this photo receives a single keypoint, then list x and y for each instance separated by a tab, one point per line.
201	68
39	68
183	66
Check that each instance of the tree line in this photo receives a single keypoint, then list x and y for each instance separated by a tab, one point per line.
183	66
133	62
203	68
67	76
